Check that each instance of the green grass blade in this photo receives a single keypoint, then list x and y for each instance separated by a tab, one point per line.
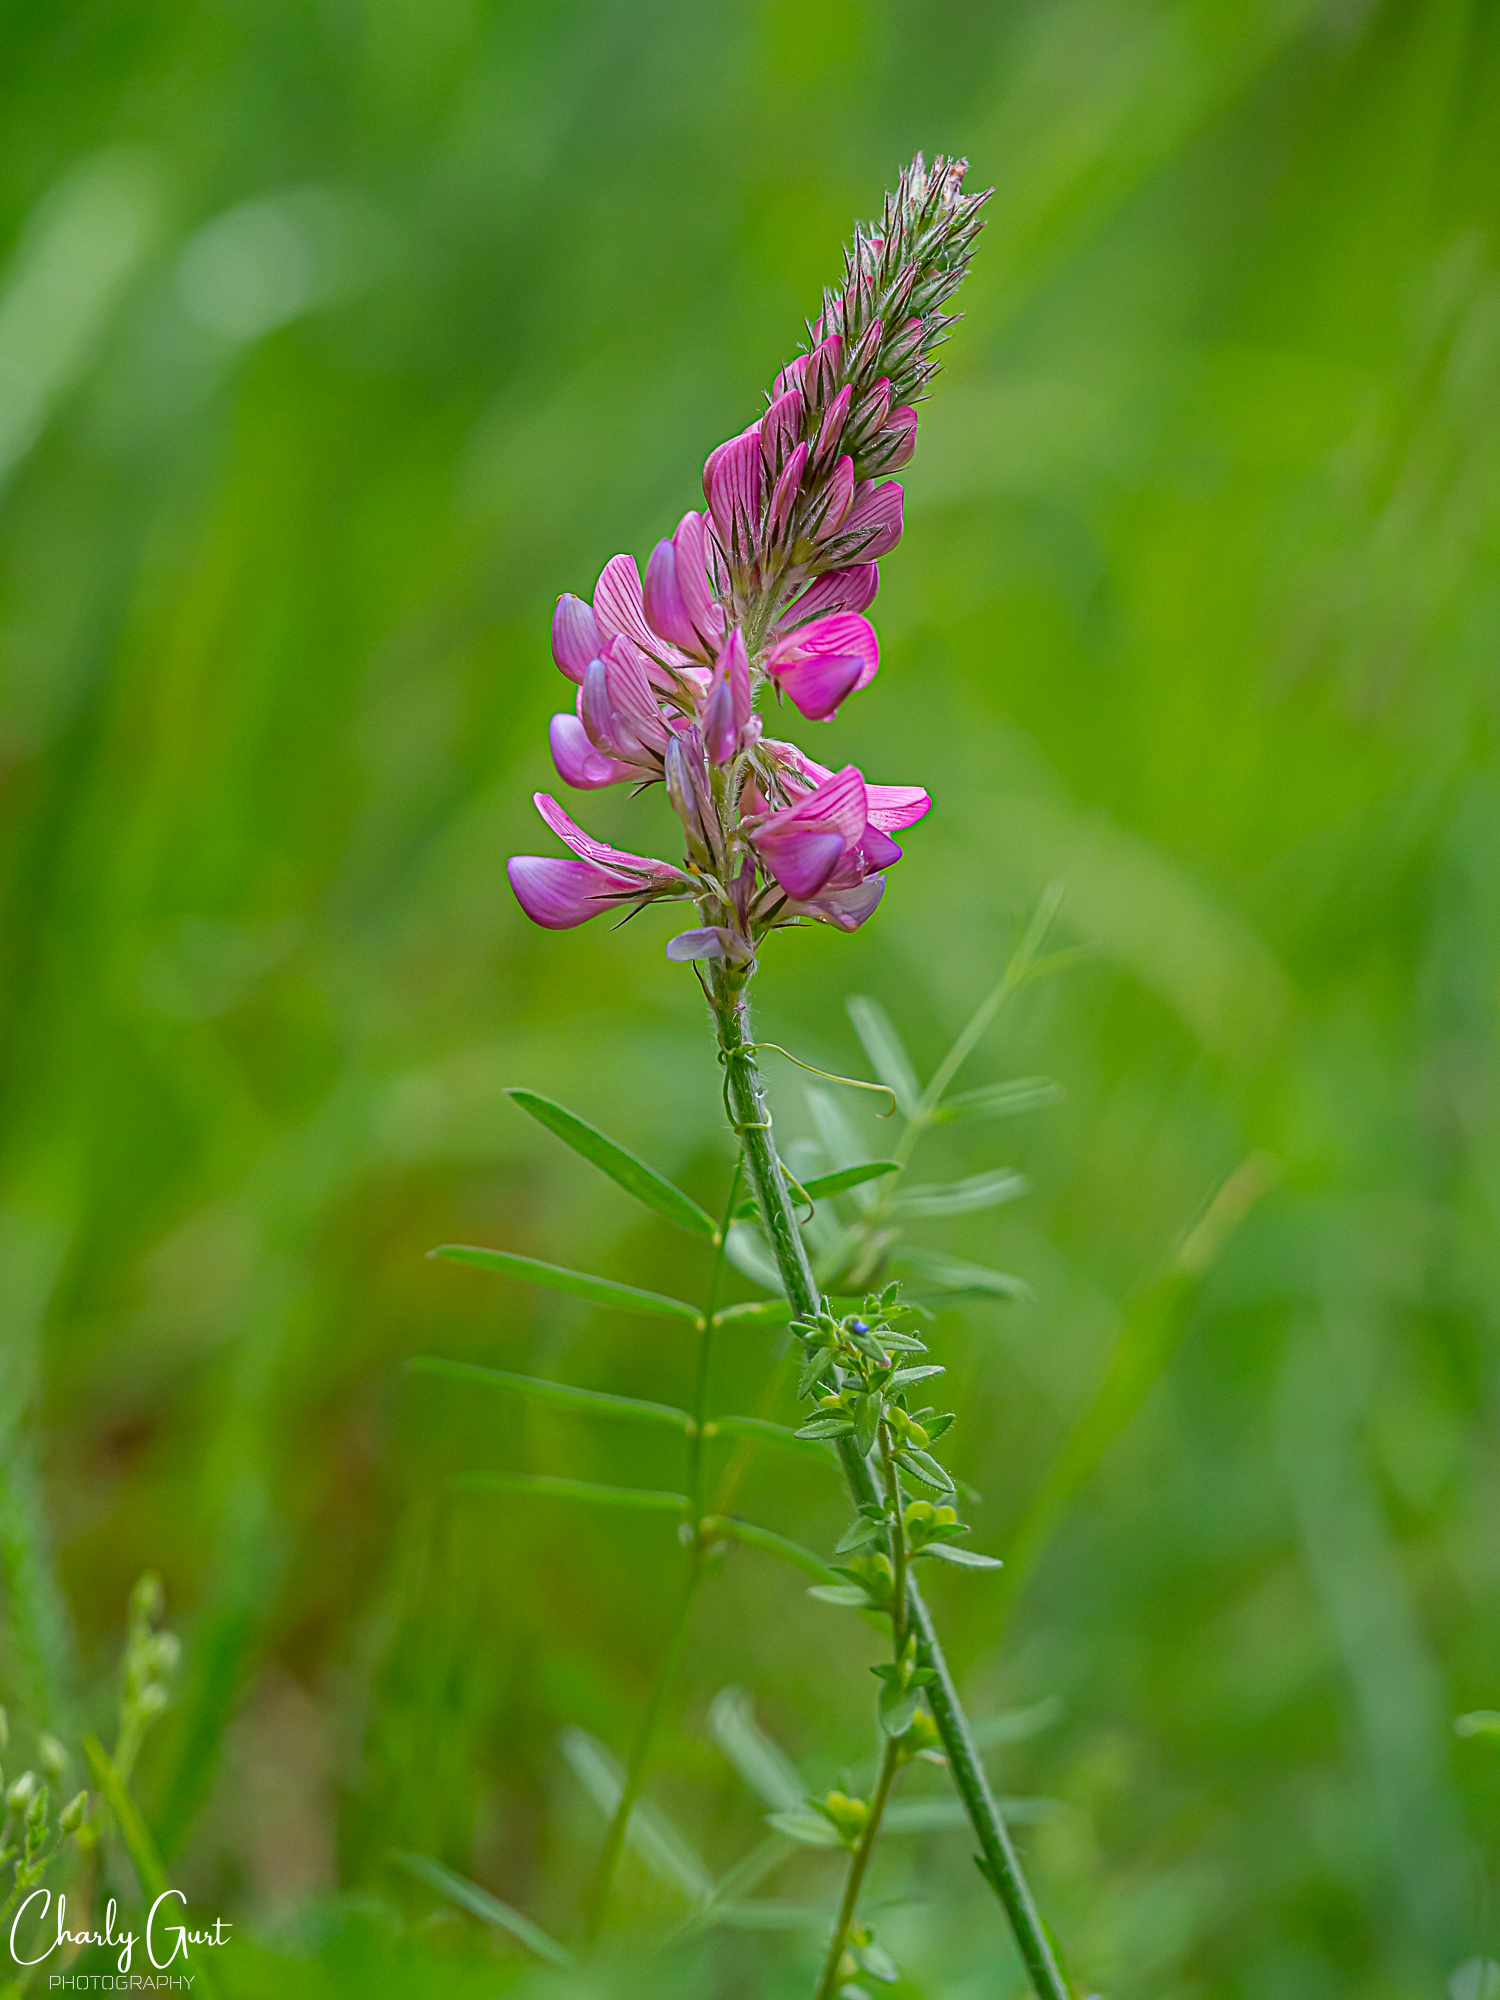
544	1486
886	1050
624	1169
582	1284
562	1395
1001	1100
480	1903
991	1190
150	1870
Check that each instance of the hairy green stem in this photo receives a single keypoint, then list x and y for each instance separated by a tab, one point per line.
666	1671
751	1119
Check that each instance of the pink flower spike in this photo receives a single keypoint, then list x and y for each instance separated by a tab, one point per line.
715	942
558	894
576	638
578	763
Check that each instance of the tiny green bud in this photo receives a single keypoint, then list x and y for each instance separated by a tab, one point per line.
19	1794
166	1654
151	1701
52	1757
74	1813
147	1600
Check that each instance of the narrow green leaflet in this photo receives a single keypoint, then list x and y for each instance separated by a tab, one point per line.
825	1185
653	1836
965	1558
480	1903
990	1190
940	1815
759	1759
582	1284
765	1915
543	1486
772	1544
922	1465
628	1172
954	1275
1001	1100
768	1433
754	1312
884	1047
594	1402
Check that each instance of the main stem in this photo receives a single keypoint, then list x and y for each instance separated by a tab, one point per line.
750	1116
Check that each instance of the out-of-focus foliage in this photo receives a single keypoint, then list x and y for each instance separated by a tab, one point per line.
335	339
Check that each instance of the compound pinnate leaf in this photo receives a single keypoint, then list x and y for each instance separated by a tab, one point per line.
582	1284
624	1168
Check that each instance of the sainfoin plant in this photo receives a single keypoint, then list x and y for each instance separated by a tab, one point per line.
756	601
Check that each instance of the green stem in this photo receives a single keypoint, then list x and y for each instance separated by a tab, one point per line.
751	1119
859	1861
671	1659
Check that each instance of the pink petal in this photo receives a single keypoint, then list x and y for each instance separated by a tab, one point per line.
841	632
578	762
735	493
836	590
838	801
898	440
788	486
802	858
847	909
779	428
619	605
715	942
690	546
576	638
559	894
599	852
666	612
877	849
873	525
790	376
892	807
818	685
835	501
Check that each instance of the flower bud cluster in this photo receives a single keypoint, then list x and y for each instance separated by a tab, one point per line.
28	1835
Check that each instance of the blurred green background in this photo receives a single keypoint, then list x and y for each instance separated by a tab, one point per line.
336	338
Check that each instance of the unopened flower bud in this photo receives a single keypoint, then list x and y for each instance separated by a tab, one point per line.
19	1794
52	1757
74	1813
147	1601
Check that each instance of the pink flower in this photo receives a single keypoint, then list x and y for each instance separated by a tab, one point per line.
679	604
890	807
803	844
820	663
559	894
